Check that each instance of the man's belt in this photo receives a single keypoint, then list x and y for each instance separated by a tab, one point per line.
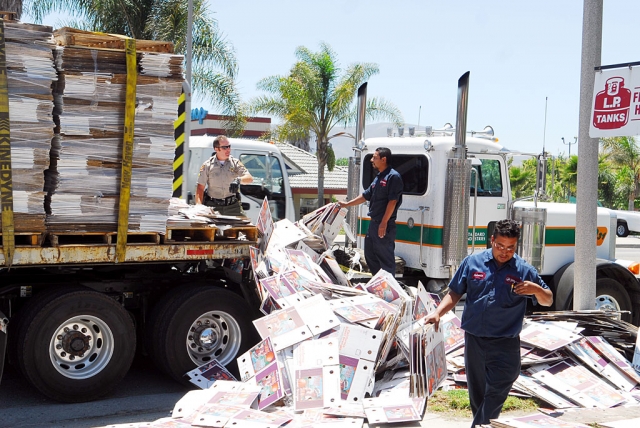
213	202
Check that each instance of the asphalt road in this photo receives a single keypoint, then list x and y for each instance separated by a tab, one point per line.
144	395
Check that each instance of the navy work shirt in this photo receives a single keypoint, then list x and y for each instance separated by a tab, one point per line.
387	186
492	309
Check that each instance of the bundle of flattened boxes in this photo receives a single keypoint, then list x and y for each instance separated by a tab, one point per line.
66	105
340	353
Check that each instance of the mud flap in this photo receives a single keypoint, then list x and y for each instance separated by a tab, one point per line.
3	341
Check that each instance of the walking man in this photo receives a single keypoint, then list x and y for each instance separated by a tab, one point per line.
222	174
498	284
385	197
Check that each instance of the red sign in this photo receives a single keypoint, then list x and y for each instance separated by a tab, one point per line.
615	110
611	106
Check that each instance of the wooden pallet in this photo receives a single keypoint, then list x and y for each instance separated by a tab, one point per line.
101	238
26	239
250	232
197	234
78	38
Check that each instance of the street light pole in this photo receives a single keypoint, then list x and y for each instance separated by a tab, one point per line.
187	90
575	141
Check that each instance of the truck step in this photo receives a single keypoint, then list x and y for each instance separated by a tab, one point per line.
97	238
26	239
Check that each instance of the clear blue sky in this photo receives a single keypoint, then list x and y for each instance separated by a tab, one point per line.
518	53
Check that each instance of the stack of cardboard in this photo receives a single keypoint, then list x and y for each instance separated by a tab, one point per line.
331	351
30	74
83	182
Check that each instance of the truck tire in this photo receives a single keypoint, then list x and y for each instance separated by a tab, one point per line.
198	325
622	230
74	345
611	295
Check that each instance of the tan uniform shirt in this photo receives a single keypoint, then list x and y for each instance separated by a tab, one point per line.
217	177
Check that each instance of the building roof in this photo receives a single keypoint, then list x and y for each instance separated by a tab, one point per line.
302	168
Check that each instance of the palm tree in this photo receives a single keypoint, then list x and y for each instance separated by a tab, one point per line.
569	175
214	63
12	6
315	97
624	153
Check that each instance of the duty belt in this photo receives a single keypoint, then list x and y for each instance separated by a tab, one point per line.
221	202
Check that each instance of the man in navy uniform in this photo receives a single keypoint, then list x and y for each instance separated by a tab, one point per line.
498	284
385	197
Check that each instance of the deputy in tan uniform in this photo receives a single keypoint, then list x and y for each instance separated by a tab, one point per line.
222	175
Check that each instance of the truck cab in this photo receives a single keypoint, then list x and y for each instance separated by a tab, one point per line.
423	221
422	162
265	163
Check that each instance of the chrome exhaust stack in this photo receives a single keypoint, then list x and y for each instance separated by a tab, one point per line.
353	189
455	231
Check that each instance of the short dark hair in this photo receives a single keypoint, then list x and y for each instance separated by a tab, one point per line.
507	228
217	140
384	152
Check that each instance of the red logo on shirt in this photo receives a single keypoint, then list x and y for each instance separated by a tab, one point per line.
510	279
478	275
383	183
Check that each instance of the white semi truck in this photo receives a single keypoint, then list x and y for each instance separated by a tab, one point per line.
456	186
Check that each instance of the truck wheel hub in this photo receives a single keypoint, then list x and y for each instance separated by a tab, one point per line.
207	338
75	343
81	347
607	303
213	335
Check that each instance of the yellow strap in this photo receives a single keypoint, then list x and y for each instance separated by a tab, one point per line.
6	177
127	151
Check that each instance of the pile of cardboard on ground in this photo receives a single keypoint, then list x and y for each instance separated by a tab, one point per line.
334	352
83	181
30	74
568	360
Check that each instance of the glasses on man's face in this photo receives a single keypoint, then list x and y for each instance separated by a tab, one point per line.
501	247
225	147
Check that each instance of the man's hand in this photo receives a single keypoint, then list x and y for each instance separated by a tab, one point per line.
382	229
433	318
528	288
235	185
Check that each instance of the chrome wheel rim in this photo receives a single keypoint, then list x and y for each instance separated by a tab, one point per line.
81	347
607	303
213	335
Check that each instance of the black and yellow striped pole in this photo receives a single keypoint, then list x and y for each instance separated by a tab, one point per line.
179	134
6	177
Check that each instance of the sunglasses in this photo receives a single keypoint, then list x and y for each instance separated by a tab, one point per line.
225	147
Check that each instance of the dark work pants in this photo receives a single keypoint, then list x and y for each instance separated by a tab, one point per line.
492	365
380	252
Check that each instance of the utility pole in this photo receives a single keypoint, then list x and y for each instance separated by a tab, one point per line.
187	92
575	141
584	285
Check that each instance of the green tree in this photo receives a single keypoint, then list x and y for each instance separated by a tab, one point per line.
214	64
342	161
317	95
523	179
569	175
624	154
